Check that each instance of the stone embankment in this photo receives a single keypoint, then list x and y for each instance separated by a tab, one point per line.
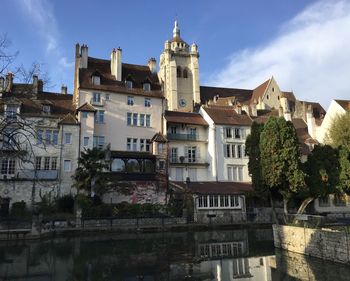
321	243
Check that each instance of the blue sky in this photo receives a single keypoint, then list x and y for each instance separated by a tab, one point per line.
304	44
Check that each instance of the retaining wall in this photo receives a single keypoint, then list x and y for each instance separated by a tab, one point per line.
322	243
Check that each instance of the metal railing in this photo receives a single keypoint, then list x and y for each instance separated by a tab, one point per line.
185	137
187	160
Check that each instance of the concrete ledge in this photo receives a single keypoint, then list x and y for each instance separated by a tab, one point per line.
321	243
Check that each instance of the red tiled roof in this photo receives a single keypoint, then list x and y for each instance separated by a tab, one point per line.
208	93
260	90
185	118
139	74
226	115
215	187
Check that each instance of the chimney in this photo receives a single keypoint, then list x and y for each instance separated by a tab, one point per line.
280	111
238	109
152	64
77	50
9	81
35	84
84	56
64	90
2	83
40	85
116	63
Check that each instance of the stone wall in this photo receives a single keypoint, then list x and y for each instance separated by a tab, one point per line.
322	243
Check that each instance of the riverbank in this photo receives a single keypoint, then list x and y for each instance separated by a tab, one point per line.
41	233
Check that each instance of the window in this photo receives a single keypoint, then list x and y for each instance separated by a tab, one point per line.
218	201
46	109
323	201
37	163
134	119
85	114
148	120
128	144
147	87
128	118
173	155
96	80
67	165
98	141
239	151
134	144
53	163
47	163
192	174
142	144
192	133
237	133
86	141
179	174
227	150
235	173
148	145
339	200
107	97
142	120
228	133
161	164
8	166
40	136
191	154
48	136
185	73
55	137
147	102
11	111
100	116
178	72
173	130
96	97
118	165
68	138
130	100
128	84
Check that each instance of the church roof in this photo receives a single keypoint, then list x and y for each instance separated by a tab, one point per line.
208	93
139	74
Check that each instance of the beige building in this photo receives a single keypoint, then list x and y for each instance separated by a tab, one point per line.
40	137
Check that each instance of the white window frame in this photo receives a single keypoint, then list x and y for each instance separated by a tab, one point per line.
130	100
69	167
214	201
70	138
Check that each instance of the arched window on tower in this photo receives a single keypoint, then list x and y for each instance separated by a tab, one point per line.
178	72
185	73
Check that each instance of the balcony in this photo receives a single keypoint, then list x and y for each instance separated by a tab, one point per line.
40	174
185	137
186	161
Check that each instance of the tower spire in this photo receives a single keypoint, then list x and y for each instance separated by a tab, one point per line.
176	30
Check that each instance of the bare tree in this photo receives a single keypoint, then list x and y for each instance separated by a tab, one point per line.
6	56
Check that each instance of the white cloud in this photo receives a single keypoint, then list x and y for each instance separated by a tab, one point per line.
65	63
310	56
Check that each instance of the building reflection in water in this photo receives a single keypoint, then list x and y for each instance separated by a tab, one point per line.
192	256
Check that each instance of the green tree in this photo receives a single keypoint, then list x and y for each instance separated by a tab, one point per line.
89	175
339	132
280	159
252	146
322	174
344	162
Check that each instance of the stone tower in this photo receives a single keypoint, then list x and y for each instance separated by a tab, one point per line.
179	73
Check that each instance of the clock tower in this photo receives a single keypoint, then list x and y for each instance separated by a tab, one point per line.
179	73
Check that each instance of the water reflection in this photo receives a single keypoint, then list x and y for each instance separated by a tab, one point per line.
192	256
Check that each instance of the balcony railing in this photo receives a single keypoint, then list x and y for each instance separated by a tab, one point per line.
188	160
185	137
40	174
100	102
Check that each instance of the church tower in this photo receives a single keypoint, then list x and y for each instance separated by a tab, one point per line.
179	73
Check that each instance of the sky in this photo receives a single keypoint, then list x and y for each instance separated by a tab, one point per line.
304	44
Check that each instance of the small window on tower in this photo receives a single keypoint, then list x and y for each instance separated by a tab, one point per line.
185	73
178	72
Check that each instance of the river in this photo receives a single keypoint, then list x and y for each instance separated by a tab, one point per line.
221	255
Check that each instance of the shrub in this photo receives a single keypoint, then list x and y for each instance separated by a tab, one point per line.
19	210
65	204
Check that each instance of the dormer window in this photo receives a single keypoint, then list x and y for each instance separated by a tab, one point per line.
46	109
128	84
147	87
96	80
11	111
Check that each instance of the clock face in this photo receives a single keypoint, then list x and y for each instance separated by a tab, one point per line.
182	102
